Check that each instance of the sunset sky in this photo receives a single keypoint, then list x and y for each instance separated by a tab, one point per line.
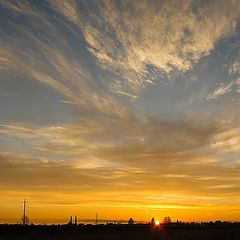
125	108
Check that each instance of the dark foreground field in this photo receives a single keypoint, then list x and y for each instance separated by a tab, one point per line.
120	232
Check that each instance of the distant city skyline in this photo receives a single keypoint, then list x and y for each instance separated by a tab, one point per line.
124	108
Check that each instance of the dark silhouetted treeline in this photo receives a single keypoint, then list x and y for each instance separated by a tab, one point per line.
175	231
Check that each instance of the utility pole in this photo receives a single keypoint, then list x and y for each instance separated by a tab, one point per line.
24	217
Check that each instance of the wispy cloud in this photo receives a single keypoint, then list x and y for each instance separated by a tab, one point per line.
227	141
138	42
221	91
134	38
44	59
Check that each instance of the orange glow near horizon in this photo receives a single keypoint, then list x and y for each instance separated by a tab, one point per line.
48	209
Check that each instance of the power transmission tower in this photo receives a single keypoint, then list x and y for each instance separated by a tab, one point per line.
24	217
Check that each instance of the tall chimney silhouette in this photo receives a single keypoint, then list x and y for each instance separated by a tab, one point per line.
96	223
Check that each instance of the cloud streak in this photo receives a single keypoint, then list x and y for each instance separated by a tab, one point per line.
142	40
44	60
